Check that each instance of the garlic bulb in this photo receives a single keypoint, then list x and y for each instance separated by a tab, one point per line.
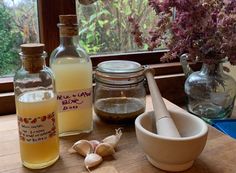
93	150
113	139
104	149
83	147
92	160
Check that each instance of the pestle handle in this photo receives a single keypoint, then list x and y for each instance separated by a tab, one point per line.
164	123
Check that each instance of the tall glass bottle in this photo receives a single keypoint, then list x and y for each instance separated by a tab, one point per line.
36	108
73	71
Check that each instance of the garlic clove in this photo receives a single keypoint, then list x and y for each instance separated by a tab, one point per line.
113	139
104	149
92	160
71	150
83	147
105	169
94	143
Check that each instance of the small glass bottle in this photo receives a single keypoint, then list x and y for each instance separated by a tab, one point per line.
119	92
36	109
73	72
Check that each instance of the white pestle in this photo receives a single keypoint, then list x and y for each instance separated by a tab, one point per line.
164	124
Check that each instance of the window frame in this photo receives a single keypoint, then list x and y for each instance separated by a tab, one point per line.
167	74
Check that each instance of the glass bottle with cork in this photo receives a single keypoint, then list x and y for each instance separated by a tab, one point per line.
36	108
73	72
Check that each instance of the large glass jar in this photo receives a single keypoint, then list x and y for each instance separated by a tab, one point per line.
119	91
36	108
210	92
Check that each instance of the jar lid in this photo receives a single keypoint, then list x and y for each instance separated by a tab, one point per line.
119	66
119	72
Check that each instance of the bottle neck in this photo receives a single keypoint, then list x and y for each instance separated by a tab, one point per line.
67	40
33	64
67	34
212	68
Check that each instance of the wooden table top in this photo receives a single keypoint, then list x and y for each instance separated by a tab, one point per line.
218	156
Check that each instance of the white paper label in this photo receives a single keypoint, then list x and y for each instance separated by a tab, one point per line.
37	129
74	100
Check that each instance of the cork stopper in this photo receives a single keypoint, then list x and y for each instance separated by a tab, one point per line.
32	48
68	25
33	57
69	19
86	2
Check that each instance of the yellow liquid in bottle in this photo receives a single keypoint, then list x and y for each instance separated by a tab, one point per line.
37	106
74	75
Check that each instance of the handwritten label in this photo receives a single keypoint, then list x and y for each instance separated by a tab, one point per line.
74	100
37	129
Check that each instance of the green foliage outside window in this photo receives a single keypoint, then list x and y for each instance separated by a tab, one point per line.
18	25
10	38
104	26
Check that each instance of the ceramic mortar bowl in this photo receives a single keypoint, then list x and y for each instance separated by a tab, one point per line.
167	153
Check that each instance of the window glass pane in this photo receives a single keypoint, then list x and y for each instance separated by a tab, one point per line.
104	26
18	24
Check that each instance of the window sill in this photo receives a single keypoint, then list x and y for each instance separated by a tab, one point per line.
7	102
6	85
166	75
